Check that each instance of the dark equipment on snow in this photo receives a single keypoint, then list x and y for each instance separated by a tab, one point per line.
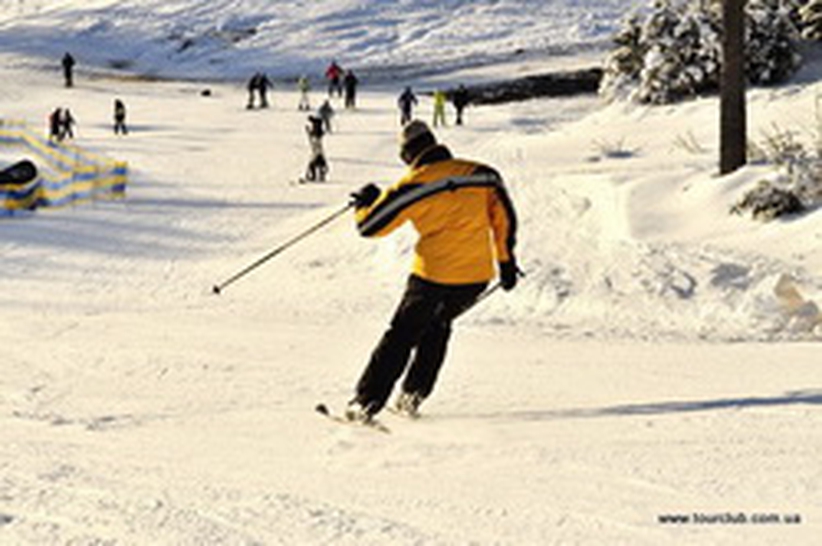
218	288
20	173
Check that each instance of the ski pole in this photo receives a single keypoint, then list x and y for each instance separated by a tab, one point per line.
494	287
218	288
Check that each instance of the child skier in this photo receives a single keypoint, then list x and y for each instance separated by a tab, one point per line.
317	165
304	87
326	112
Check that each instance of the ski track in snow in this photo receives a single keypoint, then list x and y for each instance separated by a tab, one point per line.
63	505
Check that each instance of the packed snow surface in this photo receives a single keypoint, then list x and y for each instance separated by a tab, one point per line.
231	38
654	379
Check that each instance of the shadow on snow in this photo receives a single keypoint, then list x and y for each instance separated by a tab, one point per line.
792	398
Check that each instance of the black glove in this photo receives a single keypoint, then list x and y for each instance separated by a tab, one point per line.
365	196
508	274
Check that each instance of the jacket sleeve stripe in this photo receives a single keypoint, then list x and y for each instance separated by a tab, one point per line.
511	239
398	201
507	205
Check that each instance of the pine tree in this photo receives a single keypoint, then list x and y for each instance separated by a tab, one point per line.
675	51
624	64
683	58
771	50
810	16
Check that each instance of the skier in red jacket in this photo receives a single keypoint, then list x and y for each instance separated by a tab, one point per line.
334	76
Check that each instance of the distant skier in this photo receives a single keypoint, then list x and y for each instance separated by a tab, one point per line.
67	123
120	117
406	102
252	85
68	63
304	87
350	82
334	75
258	85
317	164
465	222
460	99
263	85
326	112
439	108
55	125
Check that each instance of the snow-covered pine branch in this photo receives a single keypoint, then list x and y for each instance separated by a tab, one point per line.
673	50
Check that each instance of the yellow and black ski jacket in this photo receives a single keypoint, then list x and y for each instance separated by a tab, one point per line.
461	211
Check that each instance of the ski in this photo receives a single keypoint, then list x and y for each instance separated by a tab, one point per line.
404	414
323	410
302	181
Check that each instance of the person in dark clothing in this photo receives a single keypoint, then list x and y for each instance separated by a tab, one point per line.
460	99
259	84
67	123
317	164
263	85
120	118
326	112
55	125
350	82
466	222
314	128
253	84
406	102
68	69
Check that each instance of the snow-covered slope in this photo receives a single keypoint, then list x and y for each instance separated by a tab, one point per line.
233	38
645	384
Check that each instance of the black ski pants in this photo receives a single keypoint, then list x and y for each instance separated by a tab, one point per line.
421	325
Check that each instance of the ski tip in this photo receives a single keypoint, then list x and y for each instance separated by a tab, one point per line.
322	408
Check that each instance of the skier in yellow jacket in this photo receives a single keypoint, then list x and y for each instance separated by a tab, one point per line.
467	232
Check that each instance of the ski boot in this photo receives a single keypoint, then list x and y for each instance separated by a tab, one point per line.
359	412
408	404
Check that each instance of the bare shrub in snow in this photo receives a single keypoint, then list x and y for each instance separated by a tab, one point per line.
798	184
689	143
768	201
